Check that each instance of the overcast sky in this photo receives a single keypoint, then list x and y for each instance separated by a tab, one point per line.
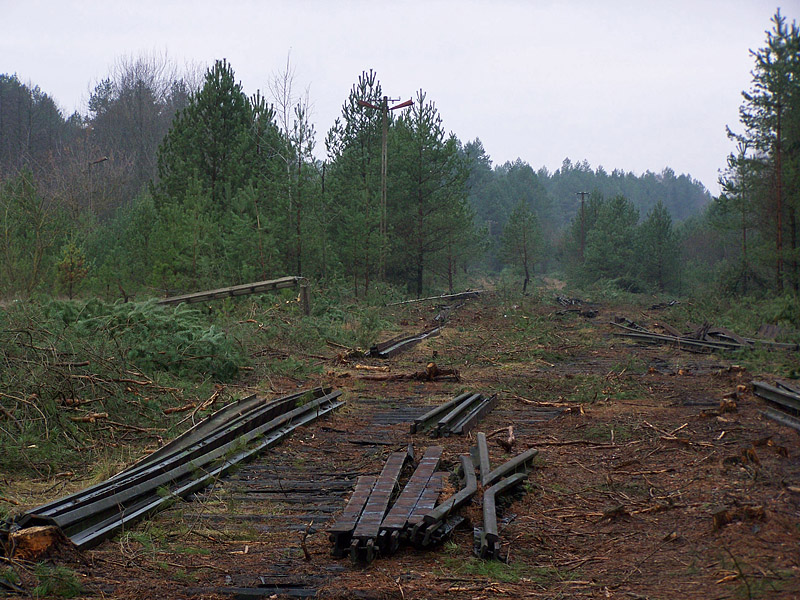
634	85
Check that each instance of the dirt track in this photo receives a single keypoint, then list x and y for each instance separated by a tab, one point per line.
635	462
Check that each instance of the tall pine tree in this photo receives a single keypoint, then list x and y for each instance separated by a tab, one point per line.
429	187
770	116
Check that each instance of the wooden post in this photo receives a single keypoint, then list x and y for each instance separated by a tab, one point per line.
304	298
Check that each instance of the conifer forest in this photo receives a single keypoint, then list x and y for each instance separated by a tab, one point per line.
221	329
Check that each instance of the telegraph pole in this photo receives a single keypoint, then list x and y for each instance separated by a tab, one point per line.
89	172
583	222
384	108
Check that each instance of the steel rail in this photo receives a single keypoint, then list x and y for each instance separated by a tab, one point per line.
423	532
470	420
425	421
483	456
447	422
787	399
782	417
490	538
341	533
89	515
681	341
223	416
519	463
247	425
397	345
363	546
109	526
236	290
398	516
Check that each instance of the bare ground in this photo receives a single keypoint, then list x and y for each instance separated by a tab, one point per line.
643	488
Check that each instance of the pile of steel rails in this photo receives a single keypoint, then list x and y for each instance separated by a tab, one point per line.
365	530
455	417
784	399
703	339
396	345
185	465
400	344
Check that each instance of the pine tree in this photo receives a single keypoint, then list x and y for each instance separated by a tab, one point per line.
770	116
72	268
521	240
353	146
610	249
657	248
209	140
429	185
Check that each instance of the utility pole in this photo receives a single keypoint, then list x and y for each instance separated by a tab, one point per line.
89	171
742	147
583	222
384	108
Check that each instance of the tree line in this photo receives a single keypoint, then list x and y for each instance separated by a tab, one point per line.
175	181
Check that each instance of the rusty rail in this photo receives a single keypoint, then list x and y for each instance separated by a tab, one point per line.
184	467
363	545
341	533
399	344
447	423
237	290
786	399
429	418
409	500
433	525
490	538
482	447
470	420
457	416
519	463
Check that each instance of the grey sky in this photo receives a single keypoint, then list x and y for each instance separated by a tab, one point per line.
634	85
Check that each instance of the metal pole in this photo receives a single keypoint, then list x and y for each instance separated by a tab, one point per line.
89	170
384	108
384	153
583	223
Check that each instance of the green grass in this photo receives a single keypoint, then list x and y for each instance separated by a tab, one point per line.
505	572
491	569
55	581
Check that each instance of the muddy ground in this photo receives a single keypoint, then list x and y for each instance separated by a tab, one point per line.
643	487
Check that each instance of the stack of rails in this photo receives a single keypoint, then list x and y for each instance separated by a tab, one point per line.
455	417
184	466
365	530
